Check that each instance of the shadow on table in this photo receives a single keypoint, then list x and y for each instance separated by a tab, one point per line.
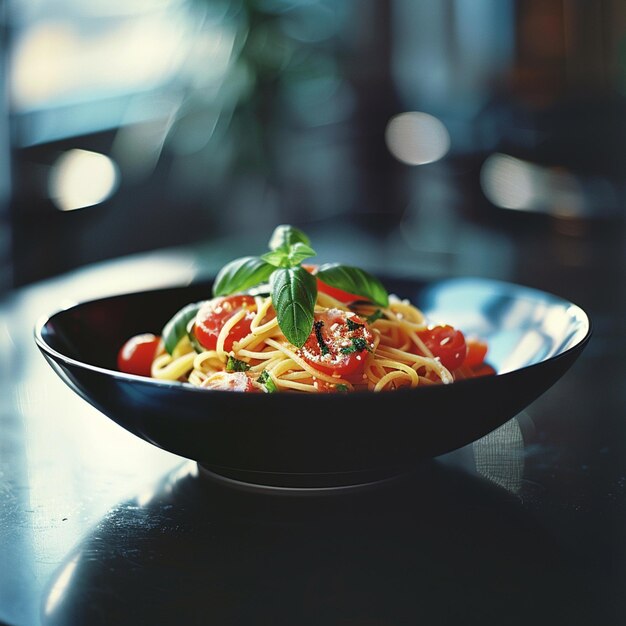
438	546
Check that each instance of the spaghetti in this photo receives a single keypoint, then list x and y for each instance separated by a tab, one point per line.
395	356
277	325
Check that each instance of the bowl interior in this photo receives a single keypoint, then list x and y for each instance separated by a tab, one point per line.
293	439
523	326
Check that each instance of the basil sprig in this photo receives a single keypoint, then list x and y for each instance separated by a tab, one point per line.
243	274
294	289
176	328
354	280
289	256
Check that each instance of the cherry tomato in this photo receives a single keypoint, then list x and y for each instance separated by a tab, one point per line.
338	344
227	381
215	313
476	352
447	343
333	292
483	370
137	354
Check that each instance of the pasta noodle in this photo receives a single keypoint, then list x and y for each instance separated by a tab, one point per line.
322	328
397	358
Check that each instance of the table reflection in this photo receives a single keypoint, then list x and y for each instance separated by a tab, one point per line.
433	545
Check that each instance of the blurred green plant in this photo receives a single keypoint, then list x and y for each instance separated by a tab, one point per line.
258	61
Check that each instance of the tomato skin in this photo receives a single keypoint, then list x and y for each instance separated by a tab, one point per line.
137	354
338	294
447	343
337	335
231	381
333	292
476	352
215	313
483	370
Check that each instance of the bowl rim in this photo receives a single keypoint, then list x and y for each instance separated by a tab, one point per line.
527	293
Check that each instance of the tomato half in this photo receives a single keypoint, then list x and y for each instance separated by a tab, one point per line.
476	352
215	313
333	292
338	345
447	343
137	354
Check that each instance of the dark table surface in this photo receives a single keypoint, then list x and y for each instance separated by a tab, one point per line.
527	525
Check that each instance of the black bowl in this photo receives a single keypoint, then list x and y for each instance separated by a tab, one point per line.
326	440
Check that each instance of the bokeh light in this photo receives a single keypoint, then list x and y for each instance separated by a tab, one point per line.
512	183
508	182
81	178
417	138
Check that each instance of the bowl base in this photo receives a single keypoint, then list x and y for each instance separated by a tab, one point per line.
303	484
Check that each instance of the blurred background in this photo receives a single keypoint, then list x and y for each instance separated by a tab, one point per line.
479	137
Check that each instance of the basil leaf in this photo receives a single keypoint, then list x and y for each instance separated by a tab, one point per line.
320	337
285	236
341	387
277	258
294	292
235	365
241	274
193	340
354	280
289	256
353	325
176	328
358	345
300	251
267	381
